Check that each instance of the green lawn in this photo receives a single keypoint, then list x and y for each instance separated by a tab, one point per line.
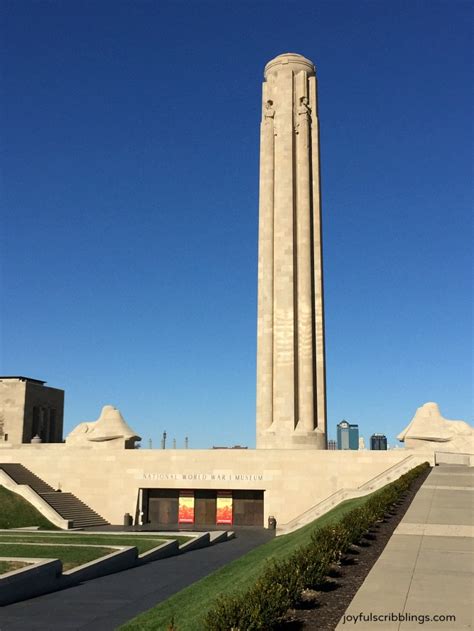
9	566
71	556
143	543
189	606
18	513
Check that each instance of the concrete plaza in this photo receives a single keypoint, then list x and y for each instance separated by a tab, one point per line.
427	567
106	603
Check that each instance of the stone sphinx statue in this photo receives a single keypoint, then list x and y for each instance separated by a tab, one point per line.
109	430
429	430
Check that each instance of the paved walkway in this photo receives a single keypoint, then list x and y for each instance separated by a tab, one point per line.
105	603
427	567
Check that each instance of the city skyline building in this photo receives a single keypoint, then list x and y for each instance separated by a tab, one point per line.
378	442
347	435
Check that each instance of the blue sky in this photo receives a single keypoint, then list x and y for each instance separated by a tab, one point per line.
129	174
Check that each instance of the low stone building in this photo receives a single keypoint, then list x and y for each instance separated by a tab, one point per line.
30	410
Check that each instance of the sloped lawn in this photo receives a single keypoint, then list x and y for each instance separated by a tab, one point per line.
16	512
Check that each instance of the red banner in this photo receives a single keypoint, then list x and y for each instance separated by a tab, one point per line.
186	508
224	509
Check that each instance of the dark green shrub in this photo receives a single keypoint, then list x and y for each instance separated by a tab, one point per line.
357	522
277	589
287	573
266	603
377	505
314	564
331	541
225	615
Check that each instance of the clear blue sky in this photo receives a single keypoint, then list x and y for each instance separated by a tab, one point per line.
129	168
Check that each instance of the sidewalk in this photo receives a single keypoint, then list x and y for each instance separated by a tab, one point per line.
427	567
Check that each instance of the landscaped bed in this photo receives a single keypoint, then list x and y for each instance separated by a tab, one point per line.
142	542
71	556
76	549
258	589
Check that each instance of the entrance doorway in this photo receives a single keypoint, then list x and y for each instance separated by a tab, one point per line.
163	507
204	507
248	508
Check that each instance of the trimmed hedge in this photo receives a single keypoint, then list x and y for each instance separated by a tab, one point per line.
281	583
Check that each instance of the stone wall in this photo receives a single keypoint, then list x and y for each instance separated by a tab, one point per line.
28	407
292	481
12	407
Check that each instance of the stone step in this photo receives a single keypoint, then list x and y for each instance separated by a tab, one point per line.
65	504
21	475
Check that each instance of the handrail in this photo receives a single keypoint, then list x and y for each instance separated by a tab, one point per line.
10	478
384	473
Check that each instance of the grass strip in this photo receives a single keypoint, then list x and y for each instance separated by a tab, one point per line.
9	566
71	556
18	513
189	606
142	543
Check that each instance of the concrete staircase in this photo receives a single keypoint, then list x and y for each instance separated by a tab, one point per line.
67	505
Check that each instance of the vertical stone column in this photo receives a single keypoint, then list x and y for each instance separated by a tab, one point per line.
265	267
284	401
320	342
291	398
304	298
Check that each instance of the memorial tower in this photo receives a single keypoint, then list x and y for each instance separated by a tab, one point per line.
291	383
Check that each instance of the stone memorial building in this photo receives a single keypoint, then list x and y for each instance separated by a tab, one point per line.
291	475
30	411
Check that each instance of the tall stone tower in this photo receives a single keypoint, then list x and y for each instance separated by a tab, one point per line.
291	384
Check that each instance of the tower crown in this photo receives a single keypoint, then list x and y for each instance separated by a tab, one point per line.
296	62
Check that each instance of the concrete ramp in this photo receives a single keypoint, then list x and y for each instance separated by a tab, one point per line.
327	504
